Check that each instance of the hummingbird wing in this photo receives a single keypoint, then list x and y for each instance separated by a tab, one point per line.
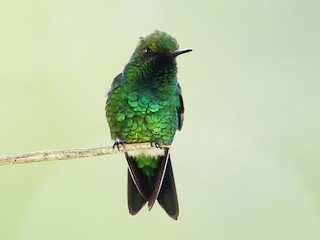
115	83
180	108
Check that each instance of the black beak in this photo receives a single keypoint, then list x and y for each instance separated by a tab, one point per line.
178	52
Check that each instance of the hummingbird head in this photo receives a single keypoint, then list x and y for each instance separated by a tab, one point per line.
156	53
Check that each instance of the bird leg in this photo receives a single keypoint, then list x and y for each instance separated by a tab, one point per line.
155	144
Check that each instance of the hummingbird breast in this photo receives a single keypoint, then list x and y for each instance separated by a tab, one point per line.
141	114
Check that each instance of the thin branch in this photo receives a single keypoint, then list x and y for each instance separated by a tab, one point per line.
65	154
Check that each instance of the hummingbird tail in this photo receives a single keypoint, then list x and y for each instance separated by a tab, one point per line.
167	197
135	199
164	188
161	187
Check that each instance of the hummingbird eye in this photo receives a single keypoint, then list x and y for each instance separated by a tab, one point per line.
147	53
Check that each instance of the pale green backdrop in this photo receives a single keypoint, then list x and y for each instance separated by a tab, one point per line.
247	163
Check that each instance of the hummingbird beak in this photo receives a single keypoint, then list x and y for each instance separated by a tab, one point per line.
178	52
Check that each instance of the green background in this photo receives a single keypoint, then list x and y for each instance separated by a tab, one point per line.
247	160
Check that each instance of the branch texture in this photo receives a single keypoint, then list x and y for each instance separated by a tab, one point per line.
65	154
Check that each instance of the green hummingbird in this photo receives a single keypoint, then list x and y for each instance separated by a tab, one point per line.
144	104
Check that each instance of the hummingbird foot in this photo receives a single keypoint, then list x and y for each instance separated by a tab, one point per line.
118	143
156	144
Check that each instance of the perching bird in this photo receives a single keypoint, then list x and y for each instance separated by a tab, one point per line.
145	104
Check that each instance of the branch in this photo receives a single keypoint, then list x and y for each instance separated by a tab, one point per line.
65	154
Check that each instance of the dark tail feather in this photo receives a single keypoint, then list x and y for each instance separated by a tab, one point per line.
159	178
139	180
167	197
135	200
142	189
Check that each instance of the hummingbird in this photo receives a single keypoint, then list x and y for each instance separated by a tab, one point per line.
144	104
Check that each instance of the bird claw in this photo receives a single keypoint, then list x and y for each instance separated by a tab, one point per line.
156	144
117	144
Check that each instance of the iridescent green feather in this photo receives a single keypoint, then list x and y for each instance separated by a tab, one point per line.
148	165
142	105
145	105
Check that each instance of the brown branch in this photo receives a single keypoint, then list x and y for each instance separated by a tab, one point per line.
65	154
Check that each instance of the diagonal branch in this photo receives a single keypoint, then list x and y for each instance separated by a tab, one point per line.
65	154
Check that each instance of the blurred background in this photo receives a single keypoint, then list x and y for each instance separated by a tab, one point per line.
246	162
